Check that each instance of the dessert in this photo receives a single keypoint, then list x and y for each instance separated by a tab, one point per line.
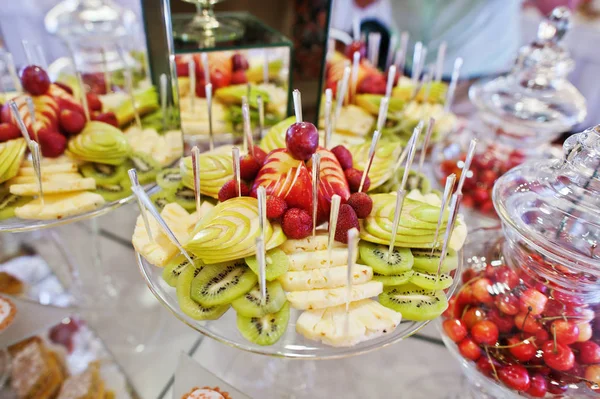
10	284
87	385
8	311
206	393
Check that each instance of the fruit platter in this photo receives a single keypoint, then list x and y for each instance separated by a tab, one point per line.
234	76
293	252
65	152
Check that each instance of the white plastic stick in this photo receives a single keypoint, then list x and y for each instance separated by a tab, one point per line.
467	165
352	248
248	129
129	88
390	80
192	79
453	83
383	111
261	196
14	109
163	99
31	109
354	75
196	171
412	149
261	115
370	157
400	195
374	43
449	186
341	94
452	216
235	154
206	67
391	50
426	141
36	157
106	70
12	71
262	268
439	64
83	96
327	118
134	183
297	105
427	86
333	217
266	66
211	135
41	57
415	74
356	29
28	54
316	178
400	60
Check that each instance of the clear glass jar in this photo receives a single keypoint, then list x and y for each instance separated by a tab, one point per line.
526	318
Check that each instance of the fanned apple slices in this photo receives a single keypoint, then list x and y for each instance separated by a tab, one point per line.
217	169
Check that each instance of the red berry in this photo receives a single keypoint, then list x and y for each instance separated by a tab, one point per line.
354	176
538	386
555	386
485	332
374	83
465	296
588	352
8	131
239	62
566	331
455	329
558	356
480	196
533	301
527	323
473	316
302	140
515	376
297	223
35	80
260	155
71	122
239	78
361	203
507	276
522	350
249	167
357	45
505	324
481	290
487	365
65	87
53	144
347	220
106	117
469	349
468	201
488	177
585	332
454	310
507	304
343	155
592	373
276	207
230	190
94	103
542	335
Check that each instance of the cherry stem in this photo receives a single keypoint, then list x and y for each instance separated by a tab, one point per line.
525	318
524	342
491	363
555	351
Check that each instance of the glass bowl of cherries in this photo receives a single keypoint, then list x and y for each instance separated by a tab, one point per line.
525	320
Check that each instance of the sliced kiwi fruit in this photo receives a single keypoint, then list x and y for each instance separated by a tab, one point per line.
186	197
221	283
174	268
104	174
161	199
188	306
114	191
424	262
394	279
376	256
414	302
169	179
430	281
8	203
249	305
147	168
265	330
416	181
277	264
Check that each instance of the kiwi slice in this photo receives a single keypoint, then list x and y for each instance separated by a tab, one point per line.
161	199
394	279
414	302
114	191
186	197
423	262
376	256
174	268
430	281
147	168
221	283
416	181
265	330
277	264
169	179
249	305
8	203
190	307
104	174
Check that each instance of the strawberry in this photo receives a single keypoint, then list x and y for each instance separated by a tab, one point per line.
346	220
229	190
354	176
106	117
249	167
52	143
276	207
297	223
361	203
94	103
71	122
260	155
8	131
239	77
343	156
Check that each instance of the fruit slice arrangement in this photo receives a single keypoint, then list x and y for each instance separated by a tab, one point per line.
83	163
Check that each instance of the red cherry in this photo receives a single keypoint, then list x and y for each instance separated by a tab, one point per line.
455	329
468	275
485	332
354	46
533	301
507	304
453	310
484	365
592	373
566	331
302	140
239	62
538	386
507	276
521	349
465	296
469	349
468	201
527	323
481	290
558	356
585	332
35	80
588	352
488	177
473	316
515	376
542	335
71	122
249	167
556	387
481	196
567	299
94	103
505	324
239	77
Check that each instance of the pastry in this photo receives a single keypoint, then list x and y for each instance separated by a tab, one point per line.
7	313
10	285
87	385
206	393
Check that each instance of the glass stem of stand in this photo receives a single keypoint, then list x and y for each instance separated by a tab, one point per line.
205	16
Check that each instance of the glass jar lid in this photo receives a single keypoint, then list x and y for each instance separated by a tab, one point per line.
554	205
536	93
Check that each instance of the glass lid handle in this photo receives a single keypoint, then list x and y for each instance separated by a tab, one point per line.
555	27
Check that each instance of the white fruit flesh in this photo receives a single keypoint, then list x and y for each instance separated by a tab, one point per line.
60	206
324	278
54	187
318	259
324	298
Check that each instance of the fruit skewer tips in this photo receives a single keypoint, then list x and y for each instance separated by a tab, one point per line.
356	29
374	42
400	60
107	79
427	84
453	82
211	134
390	81
163	99
449	186
333	217
235	154
261	196
297	105
383	111
128	75
439	64
192	78
134	183
31	109
12	71
206	67
371	155
412	149
249	140
352	248
262	265
316	177
454	207
415	73
391	50
196	171
83	95
341	93
41	58
37	166
261	115
426	141
27	50
327	118
467	166
354	75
